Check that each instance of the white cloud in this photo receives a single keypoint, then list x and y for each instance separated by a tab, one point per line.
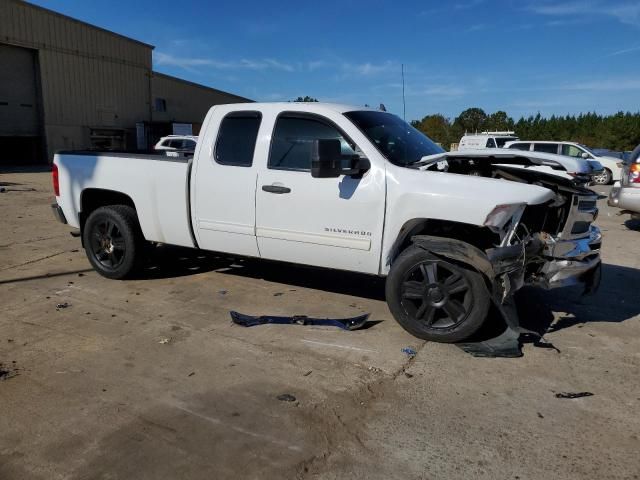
342	67
189	63
623	11
369	69
624	50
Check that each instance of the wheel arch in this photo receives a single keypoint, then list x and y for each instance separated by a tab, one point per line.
93	198
431	230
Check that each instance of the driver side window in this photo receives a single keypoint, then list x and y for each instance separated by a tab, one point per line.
491	143
571	151
292	140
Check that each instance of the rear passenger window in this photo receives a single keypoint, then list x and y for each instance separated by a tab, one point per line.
491	143
237	139
546	147
520	146
293	138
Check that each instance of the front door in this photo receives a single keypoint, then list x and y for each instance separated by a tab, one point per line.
327	222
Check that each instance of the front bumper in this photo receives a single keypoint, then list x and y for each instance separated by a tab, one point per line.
58	213
572	262
554	263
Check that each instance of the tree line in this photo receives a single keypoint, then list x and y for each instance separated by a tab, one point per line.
619	132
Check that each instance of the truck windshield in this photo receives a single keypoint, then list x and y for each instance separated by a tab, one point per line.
398	141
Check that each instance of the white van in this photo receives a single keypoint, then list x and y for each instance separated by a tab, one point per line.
612	166
486	140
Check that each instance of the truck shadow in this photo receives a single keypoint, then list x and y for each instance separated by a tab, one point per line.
616	300
169	261
632	224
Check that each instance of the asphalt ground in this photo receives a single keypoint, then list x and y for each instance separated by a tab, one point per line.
149	379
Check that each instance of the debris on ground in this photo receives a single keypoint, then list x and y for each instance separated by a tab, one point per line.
191	374
278	294
222	292
8	372
164	341
573	395
351	323
410	351
542	343
286	397
374	369
505	345
60	306
306	374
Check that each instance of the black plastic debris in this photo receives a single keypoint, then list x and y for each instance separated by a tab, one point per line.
286	397
573	395
352	323
505	345
60	306
8	372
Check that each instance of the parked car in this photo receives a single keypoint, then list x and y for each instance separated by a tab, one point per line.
177	145
339	187
626	193
612	166
486	140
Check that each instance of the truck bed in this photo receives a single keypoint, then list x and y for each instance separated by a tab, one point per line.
158	185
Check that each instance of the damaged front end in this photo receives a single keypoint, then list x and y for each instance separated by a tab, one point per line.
549	245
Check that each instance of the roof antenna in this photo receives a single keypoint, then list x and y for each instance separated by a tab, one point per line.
404	105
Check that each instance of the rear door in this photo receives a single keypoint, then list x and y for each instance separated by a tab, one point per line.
224	186
546	147
327	222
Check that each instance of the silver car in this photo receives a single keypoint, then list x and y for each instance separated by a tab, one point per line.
625	194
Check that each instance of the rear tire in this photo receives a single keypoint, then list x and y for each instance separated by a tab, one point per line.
435	299
113	241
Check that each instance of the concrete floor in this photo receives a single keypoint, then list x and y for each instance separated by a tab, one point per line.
148	379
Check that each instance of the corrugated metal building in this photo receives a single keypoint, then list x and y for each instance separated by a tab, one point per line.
65	84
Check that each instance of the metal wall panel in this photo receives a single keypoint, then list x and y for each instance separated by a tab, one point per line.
19	102
91	78
186	102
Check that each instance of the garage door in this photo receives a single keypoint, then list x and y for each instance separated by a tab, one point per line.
20	124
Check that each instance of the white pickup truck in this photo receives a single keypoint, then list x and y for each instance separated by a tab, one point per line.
345	188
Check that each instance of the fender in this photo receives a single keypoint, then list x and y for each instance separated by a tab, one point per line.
459	251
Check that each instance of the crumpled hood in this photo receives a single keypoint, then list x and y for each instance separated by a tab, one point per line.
413	193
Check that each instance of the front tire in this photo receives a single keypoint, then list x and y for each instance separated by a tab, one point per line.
113	241
604	178
435	299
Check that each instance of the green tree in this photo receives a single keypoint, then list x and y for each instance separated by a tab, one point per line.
437	127
620	131
471	120
499	121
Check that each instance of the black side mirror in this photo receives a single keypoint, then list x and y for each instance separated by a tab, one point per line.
327	160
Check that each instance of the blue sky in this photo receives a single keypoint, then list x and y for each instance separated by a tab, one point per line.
555	57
